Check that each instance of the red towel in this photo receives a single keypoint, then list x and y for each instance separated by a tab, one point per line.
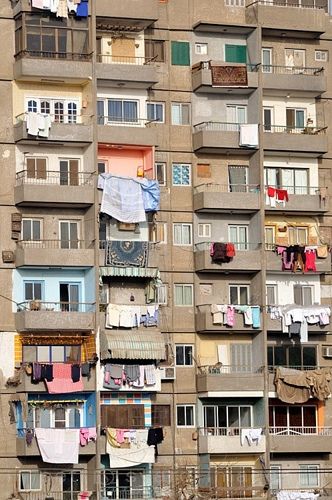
230	250
282	194
62	381
271	192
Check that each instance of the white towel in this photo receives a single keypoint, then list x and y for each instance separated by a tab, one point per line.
150	374
58	446
32	123
123	199
249	135
44	125
130	457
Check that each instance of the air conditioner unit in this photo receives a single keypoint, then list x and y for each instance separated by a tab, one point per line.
167	372
327	351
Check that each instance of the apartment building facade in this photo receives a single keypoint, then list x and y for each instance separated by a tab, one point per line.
178	339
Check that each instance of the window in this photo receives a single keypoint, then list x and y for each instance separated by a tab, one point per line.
102	166
181	174
161	415
237	479
224	416
180	113
204	230
31	229
33	290
36	168
123	483
154	49
275	477
61	110
158	232
295	118
184	355
266	60
292	356
239	294
239	236
236	53
267	119
295	58
69	175
121	110
180	53
303	295
321	55
182	234
128	416
160	172
71	484
52	353
295	180
235	3
284	420
269	237
155	111
236	114
185	415
69	296
183	295
30	480
271	295
69	234
309	475
55	417
297	235
241	357
237	178
201	48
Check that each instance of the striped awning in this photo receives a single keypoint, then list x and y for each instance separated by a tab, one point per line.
130	272
132	345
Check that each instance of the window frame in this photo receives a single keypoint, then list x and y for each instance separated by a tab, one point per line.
273	286
204	233
183	286
325	52
180	105
187	352
265	66
182	225
276	474
185	406
33	283
163	166
161	419
182	166
201	44
58	115
154	231
53	420
31	221
240	246
239	286
72	243
176	60
305	469
30	472
154	104
286	354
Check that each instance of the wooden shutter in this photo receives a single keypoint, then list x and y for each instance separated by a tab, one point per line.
180	54
248	481
161	415
135	416
31	168
108	415
41	168
122	49
236	53
73	172
122	416
221	482
298	297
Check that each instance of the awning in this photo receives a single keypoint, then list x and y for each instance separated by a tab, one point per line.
132	345
130	272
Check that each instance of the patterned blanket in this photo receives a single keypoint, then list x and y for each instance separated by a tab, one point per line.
127	253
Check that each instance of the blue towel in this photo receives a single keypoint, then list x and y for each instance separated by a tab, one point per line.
151	195
256	317
82	9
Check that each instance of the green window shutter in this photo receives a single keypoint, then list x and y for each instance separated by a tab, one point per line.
236	53
180	53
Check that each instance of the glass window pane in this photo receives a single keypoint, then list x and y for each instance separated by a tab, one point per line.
43	353
180	412
233	295
245	416
187	295
176	114
294	356
309	356
188	355
115	110
209	416
280	356
58	353
189	415
244	299
233	416
45	418
179	355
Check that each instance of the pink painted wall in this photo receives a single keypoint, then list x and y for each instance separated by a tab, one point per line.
125	161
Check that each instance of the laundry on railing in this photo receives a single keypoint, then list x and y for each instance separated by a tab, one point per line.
130	316
296	495
297	386
224	314
62	8
251	436
58	446
38	124
276	196
297	257
222	252
87	434
135	376
249	135
126	253
66	378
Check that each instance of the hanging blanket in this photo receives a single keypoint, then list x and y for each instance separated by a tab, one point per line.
127	253
229	76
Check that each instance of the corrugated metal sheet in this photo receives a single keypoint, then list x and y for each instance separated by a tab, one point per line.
132	345
130	272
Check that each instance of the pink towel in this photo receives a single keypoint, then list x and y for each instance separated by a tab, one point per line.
87	434
62	381
230	316
120	435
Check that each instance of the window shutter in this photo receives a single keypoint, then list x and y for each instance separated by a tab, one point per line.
236	53
180	53
135	416
31	168
41	168
161	415
241	357
73	172
307	296
108	415
298	295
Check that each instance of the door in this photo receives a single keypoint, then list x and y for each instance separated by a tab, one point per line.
69	173
241	357
69	234
301	181
266	60
69	297
267	119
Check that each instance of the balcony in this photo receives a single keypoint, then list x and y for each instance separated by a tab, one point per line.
54	188
227	440
308	141
137	132
214	198
288	18
300	439
26	385
130	72
53	67
302	82
204	322
274	325
65	130
219	137
130	388
54	316
138	14
307	199
54	253
274	264
229	378
207	77
25	450
247	259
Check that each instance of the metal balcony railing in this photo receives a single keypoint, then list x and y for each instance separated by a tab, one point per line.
63	118
51	494
227	369
123	121
300	431
217	126
313	4
64	306
285	129
46	54
207	65
137	61
211	187
299	190
223	431
56	244
291	70
272	368
239	245
51	177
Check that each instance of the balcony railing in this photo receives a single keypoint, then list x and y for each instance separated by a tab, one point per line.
299	190
223	431
62	118
284	129
313	4
46	54
37	305
227	369
138	61
56	244
226	188
55	178
301	431
207	65
272	368
239	245
291	70
217	126
123	121
56	495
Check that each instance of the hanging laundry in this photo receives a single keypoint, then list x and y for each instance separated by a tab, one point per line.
62	380
111	437
270	196
249	135
150	374
58	446
281	196
251	436
219	253
62	10
155	436
256	316
310	261
87	434
230	316
132	373
75	372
